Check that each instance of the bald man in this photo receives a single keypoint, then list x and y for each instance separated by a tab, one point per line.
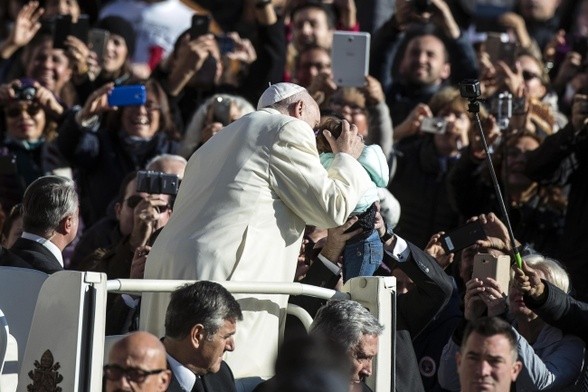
137	363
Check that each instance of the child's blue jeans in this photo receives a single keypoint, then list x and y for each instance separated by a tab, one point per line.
362	257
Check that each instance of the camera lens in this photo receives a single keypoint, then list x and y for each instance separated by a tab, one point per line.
422	5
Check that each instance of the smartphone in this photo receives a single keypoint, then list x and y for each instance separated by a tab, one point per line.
98	39
500	48
225	44
518	106
157	183
61	30
495	267
128	95
462	237
200	25
81	28
350	58
220	110
434	125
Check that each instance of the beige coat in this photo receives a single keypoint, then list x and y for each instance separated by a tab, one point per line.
240	214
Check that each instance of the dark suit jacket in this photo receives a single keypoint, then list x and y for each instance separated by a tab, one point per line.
415	309
30	254
222	381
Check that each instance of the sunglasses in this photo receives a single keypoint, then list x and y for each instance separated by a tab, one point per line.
528	75
32	110
136	375
134	200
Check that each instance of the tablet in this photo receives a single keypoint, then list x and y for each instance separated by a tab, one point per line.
350	56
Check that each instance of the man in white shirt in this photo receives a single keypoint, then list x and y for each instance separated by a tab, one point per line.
50	223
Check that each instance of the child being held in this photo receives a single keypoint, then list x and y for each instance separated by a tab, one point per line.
364	252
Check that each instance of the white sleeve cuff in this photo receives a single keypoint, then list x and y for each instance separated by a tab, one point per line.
401	252
130	301
334	268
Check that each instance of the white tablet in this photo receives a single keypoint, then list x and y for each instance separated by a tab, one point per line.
350	56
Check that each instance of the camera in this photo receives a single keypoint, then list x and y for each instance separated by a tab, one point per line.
470	88
25	92
156	183
433	125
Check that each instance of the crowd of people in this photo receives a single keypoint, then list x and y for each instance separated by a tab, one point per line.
233	154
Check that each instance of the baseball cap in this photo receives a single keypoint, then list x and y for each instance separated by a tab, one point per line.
278	92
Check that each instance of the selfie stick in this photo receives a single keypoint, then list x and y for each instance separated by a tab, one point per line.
470	89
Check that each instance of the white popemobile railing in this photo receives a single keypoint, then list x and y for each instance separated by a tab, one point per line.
64	346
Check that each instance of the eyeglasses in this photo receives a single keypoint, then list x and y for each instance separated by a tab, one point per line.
136	375
163	209
353	108
528	75
32	110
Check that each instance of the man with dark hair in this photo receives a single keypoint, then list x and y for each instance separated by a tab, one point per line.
487	359
50	223
313	23
413	61
200	325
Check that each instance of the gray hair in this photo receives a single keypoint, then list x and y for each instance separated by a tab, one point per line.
283	105
553	270
46	202
155	164
344	322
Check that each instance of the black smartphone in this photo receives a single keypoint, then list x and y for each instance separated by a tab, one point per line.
463	236
200	25
61	30
81	28
129	95
157	183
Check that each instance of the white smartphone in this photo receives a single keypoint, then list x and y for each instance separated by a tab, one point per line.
350	56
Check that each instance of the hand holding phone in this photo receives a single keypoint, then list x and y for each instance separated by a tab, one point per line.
495	267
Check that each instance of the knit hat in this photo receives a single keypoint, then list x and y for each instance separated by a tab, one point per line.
278	92
119	26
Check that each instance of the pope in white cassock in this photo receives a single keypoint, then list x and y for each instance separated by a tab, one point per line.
241	211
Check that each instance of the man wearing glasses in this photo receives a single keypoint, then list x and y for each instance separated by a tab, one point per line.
137	363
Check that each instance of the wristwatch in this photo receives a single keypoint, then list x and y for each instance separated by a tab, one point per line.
260	4
387	235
